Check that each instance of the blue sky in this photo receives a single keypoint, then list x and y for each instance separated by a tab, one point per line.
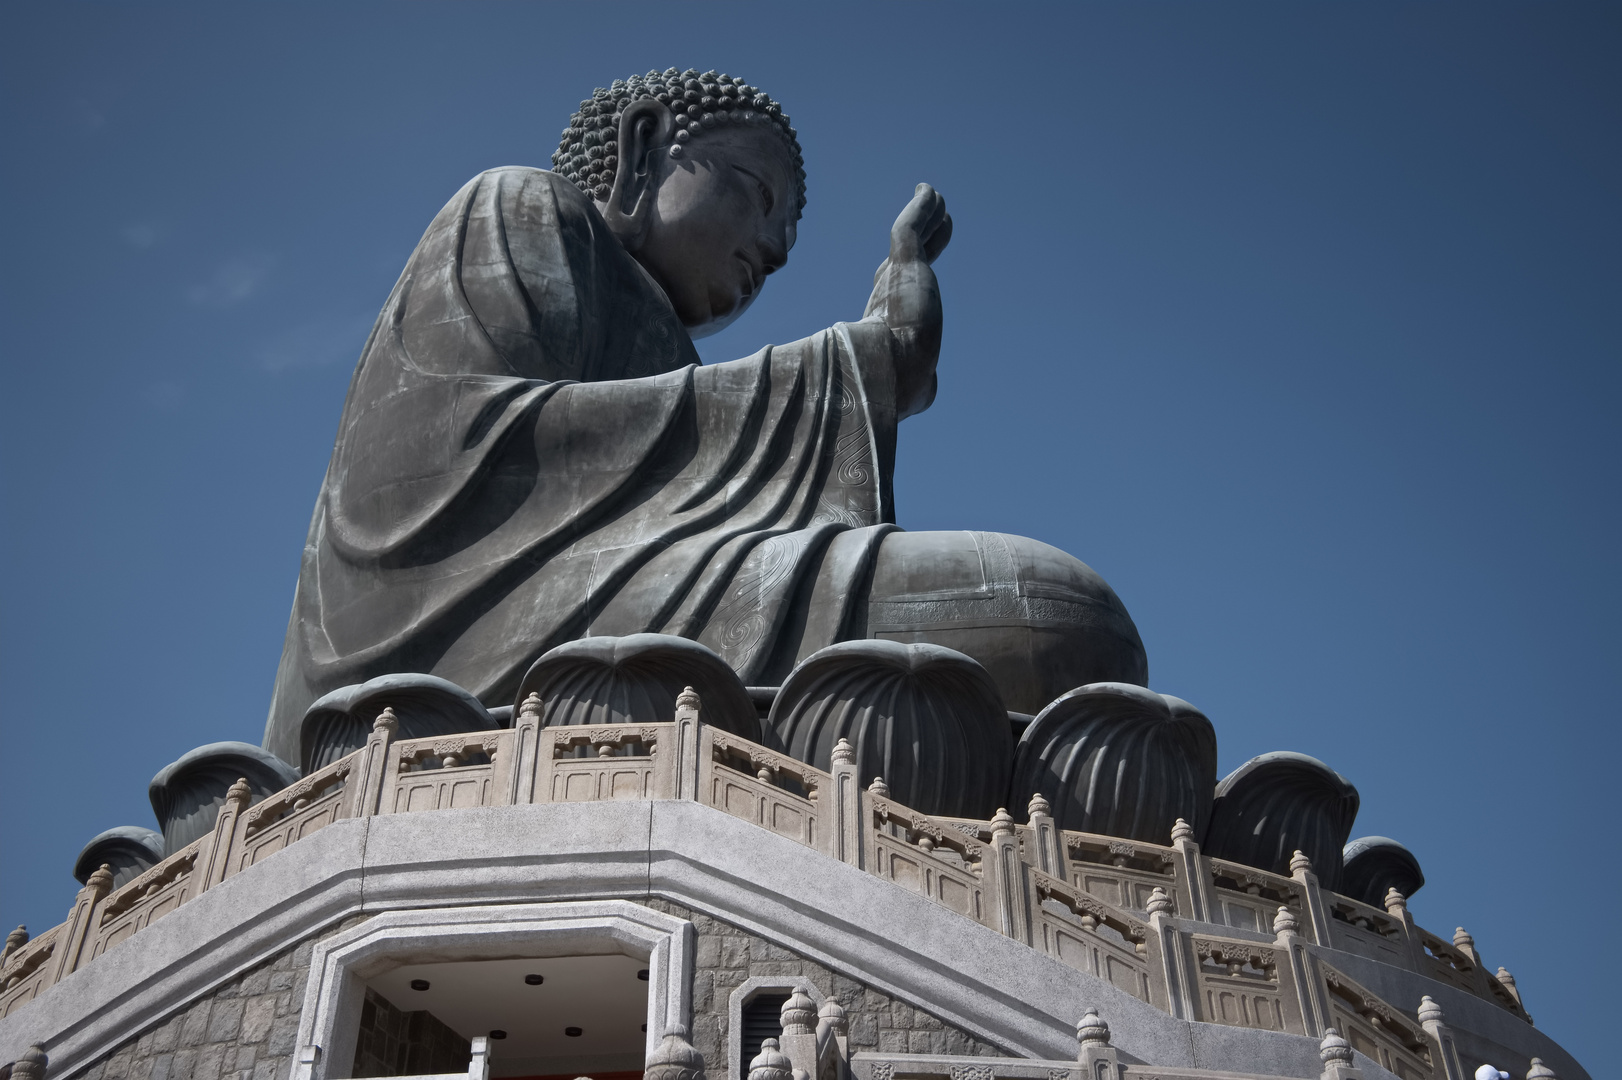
1299	323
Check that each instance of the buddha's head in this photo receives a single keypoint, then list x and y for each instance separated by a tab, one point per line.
699	176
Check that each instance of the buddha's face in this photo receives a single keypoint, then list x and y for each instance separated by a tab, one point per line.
721	220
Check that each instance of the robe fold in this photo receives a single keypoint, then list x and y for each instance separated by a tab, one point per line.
530	453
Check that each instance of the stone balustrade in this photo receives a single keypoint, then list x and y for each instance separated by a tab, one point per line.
1200	938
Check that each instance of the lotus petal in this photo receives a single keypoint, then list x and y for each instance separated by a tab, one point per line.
635	680
187	794
339	723
927	719
1277	804
1117	759
128	849
1377	864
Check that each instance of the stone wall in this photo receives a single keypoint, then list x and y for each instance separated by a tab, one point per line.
245	1030
392	1042
726	956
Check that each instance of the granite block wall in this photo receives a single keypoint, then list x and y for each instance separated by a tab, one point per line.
246	1030
726	956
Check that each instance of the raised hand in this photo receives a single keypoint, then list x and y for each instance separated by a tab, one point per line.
907	297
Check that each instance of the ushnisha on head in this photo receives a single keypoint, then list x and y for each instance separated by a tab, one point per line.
699	176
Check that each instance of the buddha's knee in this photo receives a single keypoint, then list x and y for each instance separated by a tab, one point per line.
1040	620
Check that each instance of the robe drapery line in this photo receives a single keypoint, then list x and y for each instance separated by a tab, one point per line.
531	453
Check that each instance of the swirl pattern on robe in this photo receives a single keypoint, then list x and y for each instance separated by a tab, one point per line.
927	719
635	680
1120	760
1277	804
530	453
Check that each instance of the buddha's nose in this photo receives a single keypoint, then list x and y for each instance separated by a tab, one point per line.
773	253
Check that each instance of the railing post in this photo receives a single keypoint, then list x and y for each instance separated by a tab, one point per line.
372	768
81	923
1444	1053
1048	844
1098	1059
32	1065
845	830
1170	959
687	753
1312	898
1007	874
14	941
1482	979
215	859
1296	968
1396	906
525	748
1193	875
1336	1054
798	1019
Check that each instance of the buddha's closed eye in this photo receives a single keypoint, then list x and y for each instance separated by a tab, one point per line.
766	199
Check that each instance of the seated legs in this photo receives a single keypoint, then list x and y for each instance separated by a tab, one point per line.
1040	620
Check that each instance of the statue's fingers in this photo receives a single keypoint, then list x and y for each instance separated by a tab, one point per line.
937	214
938	241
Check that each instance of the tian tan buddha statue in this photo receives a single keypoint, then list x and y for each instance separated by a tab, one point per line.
531	452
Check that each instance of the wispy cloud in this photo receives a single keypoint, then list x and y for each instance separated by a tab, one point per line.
333	340
232	282
143	234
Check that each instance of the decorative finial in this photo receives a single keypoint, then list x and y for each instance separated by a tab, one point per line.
1092	1031
1299	863
1038	805
1506	978
532	706
771	1063
687	699
675	1058
1334	1048
1540	1071
1285	922
879	787
1002	822
17	939
844	753
239	794
101	882
1181	831
833	1014
1491	1072
386	722
1159	902
1395	902
1463	940
1429	1011
799	1014
32	1064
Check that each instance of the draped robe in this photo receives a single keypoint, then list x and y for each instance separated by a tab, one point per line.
531	452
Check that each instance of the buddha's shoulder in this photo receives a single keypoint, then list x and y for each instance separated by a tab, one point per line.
527	178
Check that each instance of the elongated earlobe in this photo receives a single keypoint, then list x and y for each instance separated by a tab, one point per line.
645	126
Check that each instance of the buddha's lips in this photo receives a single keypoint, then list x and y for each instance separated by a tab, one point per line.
754	275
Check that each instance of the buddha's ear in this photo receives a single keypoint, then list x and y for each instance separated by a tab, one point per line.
645	126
